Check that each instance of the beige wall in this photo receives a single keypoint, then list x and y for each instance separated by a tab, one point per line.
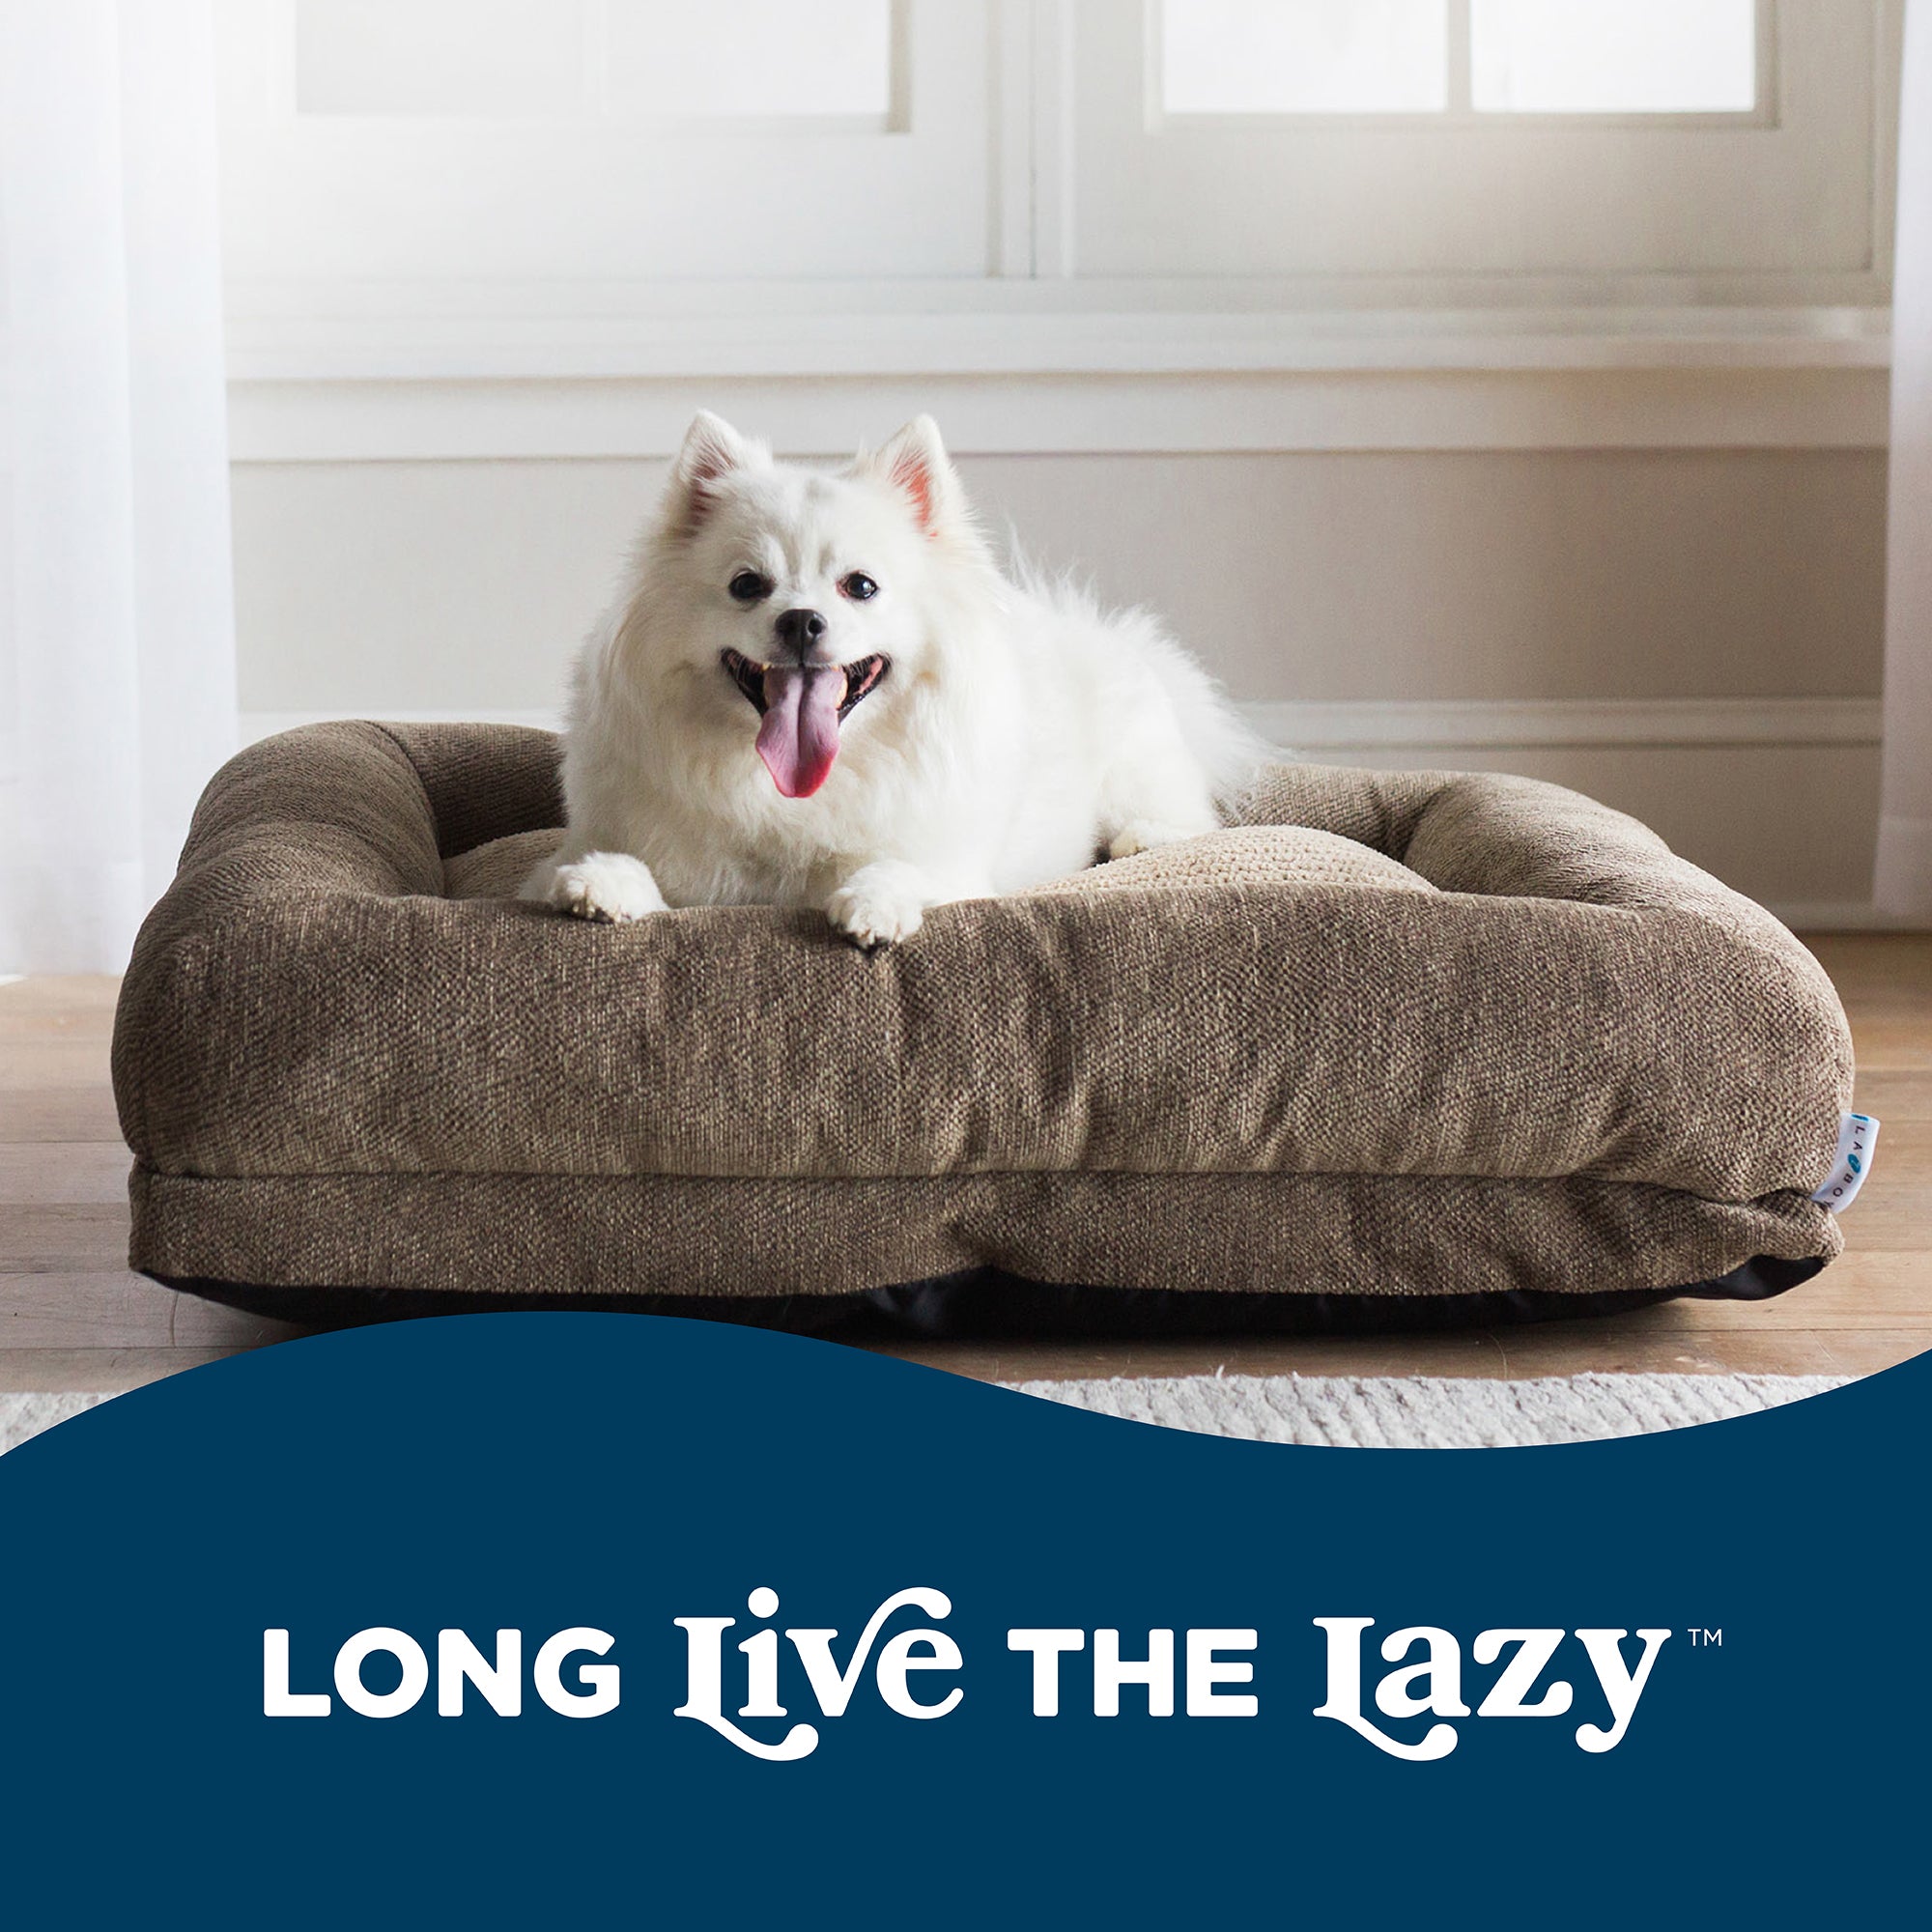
1484	575
463	587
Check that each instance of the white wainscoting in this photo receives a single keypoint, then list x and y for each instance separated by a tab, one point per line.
346	384
446	419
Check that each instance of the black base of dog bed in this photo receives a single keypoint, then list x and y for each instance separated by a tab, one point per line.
990	1304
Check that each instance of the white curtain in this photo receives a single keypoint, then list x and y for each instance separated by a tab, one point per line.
116	654
1903	884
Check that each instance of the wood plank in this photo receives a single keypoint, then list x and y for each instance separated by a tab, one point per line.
1904	1153
70	994
29	1023
61	1240
102	1308
1889	1215
30	1064
57	1114
1891	1042
1894	1095
114	1308
1866	1288
1875	968
72	1172
210	1325
1869	1353
109	1371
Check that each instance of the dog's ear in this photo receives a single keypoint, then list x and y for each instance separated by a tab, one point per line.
915	463
712	449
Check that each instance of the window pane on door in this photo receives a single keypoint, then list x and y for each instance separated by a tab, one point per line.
762	58
437	57
1304	56
1613	56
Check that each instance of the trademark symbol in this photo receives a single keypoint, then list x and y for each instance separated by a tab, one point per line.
1703	1639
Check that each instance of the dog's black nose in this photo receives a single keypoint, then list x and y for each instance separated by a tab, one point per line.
799	630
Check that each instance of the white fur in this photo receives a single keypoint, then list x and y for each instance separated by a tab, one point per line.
1018	733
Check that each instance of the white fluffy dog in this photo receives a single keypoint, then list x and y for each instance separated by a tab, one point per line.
818	690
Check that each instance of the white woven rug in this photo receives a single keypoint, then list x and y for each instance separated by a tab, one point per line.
1429	1411
22	1415
1350	1412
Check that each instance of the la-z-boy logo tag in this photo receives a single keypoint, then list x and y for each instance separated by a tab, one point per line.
914	1673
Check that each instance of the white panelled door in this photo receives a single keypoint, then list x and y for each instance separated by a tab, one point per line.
583	141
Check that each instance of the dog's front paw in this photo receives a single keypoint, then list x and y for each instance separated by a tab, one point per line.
608	885
1143	834
878	905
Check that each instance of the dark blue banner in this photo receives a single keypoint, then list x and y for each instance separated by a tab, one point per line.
538	1619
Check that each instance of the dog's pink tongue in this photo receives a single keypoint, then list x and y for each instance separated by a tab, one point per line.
799	738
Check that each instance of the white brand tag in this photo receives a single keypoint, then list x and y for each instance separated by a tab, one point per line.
1857	1135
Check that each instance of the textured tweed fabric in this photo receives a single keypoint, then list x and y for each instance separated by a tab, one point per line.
1395	1033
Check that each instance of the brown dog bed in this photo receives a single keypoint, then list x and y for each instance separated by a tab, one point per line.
1395	1040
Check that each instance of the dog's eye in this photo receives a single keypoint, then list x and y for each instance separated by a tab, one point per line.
858	586
748	587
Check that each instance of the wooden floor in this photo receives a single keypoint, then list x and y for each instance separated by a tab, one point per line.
72	1316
